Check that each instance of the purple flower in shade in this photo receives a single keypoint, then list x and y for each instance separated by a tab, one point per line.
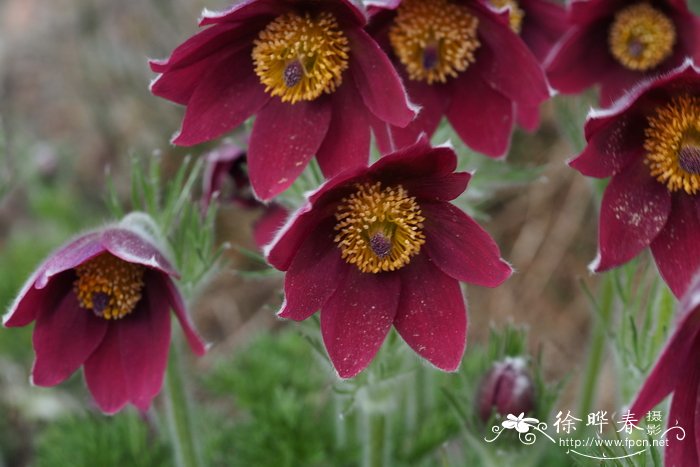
506	389
308	71
103	302
463	60
677	371
618	43
227	163
223	164
380	246
649	143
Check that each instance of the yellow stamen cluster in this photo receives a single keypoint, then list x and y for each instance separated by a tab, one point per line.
379	229
672	142
641	37
434	39
301	57
109	286
515	13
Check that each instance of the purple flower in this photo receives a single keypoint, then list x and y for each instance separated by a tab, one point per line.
306	69
103	302
677	371
649	144
619	43
462	60
382	246
506	389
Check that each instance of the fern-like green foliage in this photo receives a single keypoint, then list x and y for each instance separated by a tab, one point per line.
267	415
89	441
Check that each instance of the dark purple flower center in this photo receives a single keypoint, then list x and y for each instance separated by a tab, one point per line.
100	300
430	57
109	286
380	244
635	48
689	159
293	73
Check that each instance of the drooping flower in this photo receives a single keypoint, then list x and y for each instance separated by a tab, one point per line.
676	371
649	143
381	246
308	71
617	44
463	60
507	389
103	302
227	164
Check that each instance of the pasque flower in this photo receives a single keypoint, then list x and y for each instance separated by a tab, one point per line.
462	59
103	302
506	389
380	246
649	143
308	71
618	43
227	164
676	371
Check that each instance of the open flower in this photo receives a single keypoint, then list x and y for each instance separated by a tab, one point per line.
308	71
227	165
461	59
649	143
677	371
616	44
103	302
381	246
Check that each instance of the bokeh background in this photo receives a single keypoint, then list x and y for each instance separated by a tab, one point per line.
75	111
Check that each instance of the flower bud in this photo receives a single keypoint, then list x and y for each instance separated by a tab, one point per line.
507	388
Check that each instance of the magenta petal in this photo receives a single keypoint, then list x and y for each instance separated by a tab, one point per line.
69	256
676	249
425	172
671	366
635	208
179	85
144	341
267	226
105	376
614	142
579	60
64	337
684	412
433	101
461	248
243	11
488	130
357	318
201	47
317	270
544	24
229	94
285	137
527	117
346	145
432	317
377	80
32	300
506	64
163	288
133	248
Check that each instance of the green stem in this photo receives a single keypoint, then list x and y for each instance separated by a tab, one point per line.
178	414
597	348
376	447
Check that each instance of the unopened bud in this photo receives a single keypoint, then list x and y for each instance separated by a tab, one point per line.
507	388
